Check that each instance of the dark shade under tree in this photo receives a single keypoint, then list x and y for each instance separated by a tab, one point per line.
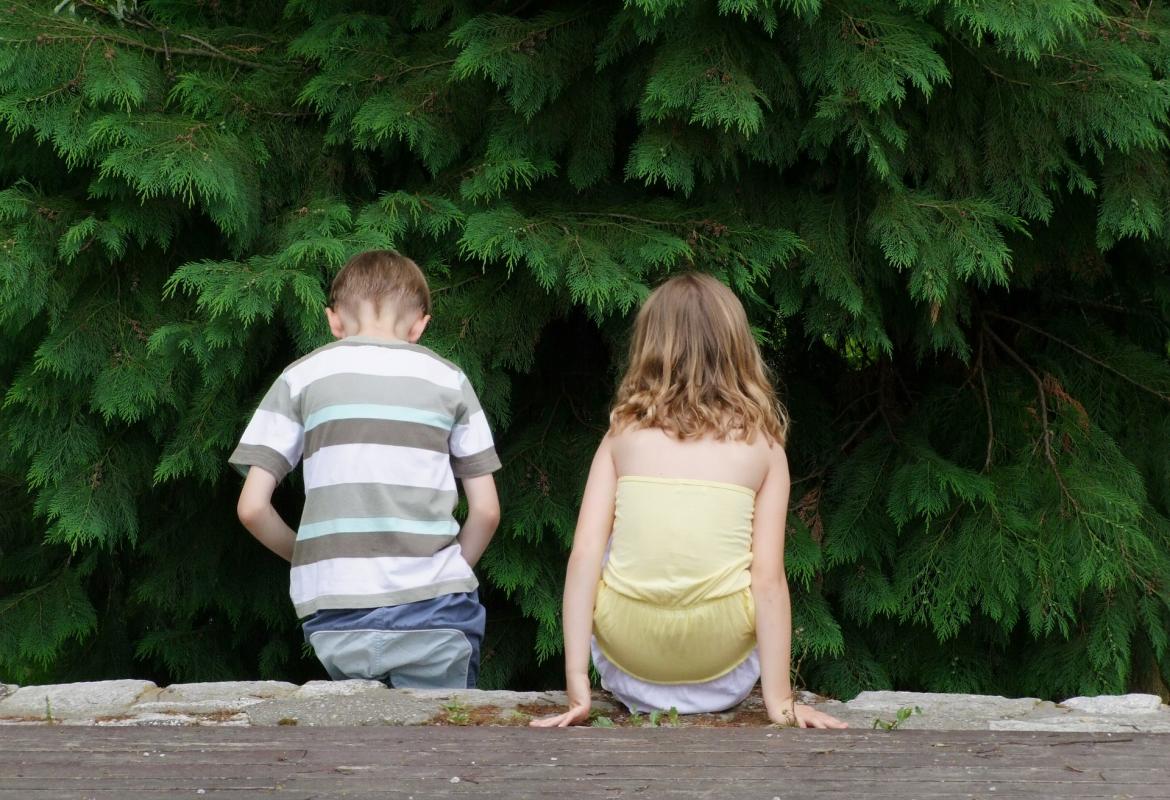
948	220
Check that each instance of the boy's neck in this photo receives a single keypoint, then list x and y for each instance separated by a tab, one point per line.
366	322
386	333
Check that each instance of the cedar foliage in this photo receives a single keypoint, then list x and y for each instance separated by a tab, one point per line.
948	220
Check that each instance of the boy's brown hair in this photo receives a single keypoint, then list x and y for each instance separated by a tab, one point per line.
381	276
695	369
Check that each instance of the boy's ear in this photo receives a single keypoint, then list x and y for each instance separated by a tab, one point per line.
336	326
417	328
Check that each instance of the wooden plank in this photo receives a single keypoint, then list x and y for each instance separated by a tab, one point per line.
375	773
51	763
1143	767
1138	765
599	752
685	749
429	793
455	738
597	790
594	786
682	749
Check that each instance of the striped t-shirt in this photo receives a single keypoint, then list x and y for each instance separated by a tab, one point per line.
384	429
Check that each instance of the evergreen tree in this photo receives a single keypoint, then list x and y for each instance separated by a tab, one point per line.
948	219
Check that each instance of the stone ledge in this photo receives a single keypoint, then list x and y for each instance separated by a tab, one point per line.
363	704
356	702
1116	704
213	698
74	701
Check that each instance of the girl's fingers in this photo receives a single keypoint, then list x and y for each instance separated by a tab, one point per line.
811	718
825	722
572	718
560	720
547	722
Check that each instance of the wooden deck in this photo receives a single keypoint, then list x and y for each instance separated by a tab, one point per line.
45	763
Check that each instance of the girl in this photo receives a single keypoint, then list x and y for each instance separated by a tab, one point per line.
676	580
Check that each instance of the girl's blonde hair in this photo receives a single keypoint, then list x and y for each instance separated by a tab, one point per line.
695	369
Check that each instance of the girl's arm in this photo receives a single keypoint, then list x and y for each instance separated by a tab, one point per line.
773	603
594	526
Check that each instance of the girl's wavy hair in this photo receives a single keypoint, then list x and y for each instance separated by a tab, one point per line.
695	369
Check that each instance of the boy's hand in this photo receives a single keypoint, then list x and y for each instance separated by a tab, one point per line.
580	702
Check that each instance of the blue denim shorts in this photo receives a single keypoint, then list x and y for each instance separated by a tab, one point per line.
431	644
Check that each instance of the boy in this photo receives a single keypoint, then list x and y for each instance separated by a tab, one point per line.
380	567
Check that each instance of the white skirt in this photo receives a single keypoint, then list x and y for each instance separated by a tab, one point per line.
707	697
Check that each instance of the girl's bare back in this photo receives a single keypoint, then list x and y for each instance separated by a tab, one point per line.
653	453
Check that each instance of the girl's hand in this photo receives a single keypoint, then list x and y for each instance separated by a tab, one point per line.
580	702
809	717
576	715
798	715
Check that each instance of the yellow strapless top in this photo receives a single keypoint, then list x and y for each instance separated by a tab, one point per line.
674	604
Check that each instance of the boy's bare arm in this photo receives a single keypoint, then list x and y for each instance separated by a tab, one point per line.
260	518
483	517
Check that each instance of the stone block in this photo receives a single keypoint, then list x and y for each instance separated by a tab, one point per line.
212	698
170	720
477	698
372	708
349	688
75	701
974	705
1087	723
1116	704
381	706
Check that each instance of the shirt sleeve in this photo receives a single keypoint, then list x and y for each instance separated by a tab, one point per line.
473	453
275	437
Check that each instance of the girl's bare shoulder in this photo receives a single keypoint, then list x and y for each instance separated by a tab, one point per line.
651	451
